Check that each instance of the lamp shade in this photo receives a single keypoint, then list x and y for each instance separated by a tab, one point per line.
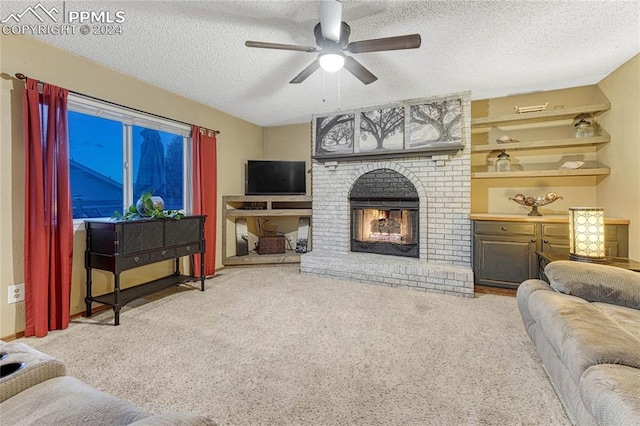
586	234
331	62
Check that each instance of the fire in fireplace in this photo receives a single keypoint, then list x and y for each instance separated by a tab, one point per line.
384	214
385	231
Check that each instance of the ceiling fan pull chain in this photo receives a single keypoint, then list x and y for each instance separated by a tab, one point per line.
324	87
338	90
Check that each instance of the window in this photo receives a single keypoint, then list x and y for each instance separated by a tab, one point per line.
116	155
95	165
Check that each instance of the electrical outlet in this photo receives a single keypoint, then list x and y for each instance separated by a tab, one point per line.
16	293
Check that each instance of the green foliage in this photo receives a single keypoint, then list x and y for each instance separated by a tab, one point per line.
150	210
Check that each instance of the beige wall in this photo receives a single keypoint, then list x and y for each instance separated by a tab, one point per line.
291	142
619	194
239	140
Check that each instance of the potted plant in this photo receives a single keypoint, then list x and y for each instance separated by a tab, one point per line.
148	207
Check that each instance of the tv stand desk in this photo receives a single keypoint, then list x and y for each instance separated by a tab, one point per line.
261	206
117	246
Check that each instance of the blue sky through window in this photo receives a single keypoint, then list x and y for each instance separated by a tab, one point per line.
96	143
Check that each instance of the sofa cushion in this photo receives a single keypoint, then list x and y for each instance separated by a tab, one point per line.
595	283
582	334
38	367
627	318
67	401
612	394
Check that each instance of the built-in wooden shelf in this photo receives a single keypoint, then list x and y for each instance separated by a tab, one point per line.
545	143
268	212
540	116
541	170
267	205
540	119
269	199
275	206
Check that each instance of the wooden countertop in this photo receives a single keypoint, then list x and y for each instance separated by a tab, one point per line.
552	218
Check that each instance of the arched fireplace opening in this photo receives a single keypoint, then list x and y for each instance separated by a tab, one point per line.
384	214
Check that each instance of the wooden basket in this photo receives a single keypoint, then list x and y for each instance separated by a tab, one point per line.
271	245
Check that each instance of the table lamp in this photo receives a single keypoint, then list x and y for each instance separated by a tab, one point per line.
586	234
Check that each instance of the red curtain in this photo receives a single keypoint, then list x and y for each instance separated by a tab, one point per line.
205	177
48	245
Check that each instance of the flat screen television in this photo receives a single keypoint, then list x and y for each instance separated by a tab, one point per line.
271	177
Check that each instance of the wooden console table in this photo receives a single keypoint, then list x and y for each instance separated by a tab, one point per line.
117	246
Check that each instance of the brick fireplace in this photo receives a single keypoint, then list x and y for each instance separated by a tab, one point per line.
427	216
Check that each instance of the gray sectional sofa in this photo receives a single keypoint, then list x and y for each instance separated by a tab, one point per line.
585	324
34	390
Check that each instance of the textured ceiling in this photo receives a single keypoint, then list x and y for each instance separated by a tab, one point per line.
492	48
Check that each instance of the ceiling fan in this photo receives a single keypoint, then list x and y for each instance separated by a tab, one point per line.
332	38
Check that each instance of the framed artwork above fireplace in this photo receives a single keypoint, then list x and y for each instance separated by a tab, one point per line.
420	127
334	134
381	129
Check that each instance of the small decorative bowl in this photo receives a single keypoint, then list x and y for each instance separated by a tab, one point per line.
535	202
506	139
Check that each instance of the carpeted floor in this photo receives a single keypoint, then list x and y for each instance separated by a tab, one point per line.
266	345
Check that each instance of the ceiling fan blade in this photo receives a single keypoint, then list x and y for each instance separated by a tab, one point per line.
330	19
306	72
279	46
411	41
359	71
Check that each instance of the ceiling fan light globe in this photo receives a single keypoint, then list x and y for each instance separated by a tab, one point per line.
331	62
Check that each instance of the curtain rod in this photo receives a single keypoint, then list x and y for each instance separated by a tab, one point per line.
21	76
